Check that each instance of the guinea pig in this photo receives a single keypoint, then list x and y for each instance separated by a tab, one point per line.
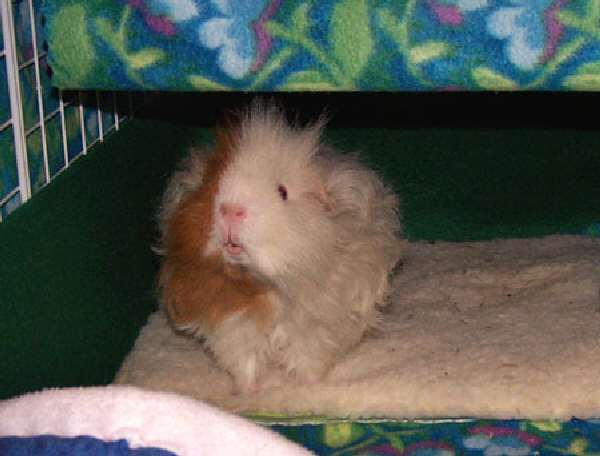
276	249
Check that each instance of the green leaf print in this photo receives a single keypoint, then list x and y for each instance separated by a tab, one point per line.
299	20
281	32
75	60
593	10
145	57
570	20
586	24
547	426
488	79
117	38
350	36
587	77
202	83
393	27
578	446
311	80
273	64
337	435
428	51
398	30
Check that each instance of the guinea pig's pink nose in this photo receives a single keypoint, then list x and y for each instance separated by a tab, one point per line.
233	213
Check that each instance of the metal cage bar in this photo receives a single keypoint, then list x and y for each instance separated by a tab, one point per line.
39	89
82	123
100	119
14	90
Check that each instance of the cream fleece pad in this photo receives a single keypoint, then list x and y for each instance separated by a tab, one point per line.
503	329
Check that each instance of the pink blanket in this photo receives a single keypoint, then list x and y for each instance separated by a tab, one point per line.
144	418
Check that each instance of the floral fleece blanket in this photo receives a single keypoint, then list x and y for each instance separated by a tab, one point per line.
309	45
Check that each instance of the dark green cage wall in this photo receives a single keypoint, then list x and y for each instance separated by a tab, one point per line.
76	266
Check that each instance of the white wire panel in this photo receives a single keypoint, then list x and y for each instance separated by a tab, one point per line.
42	130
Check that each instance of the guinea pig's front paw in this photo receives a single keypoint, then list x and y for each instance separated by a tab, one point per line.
248	378
245	382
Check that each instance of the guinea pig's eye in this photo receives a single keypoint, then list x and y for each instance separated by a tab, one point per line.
282	192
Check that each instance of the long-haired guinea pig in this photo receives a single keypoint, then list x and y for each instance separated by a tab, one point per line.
277	249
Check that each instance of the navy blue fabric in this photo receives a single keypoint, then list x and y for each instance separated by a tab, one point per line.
50	445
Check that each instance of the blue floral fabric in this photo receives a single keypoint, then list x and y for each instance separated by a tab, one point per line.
305	45
449	438
373	438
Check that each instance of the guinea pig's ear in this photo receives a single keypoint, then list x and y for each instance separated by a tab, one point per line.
318	193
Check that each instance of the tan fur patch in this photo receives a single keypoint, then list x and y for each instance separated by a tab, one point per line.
204	290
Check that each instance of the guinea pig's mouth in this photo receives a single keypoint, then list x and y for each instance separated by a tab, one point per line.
233	246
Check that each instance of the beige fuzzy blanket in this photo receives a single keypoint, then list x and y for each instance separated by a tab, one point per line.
507	328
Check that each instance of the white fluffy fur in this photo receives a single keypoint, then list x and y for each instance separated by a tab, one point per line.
327	251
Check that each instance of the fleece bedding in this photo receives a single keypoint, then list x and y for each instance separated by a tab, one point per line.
350	45
497	329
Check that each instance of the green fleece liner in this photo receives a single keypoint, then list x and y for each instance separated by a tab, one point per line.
77	271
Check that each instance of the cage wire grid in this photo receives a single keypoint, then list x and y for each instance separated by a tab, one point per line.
42	129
